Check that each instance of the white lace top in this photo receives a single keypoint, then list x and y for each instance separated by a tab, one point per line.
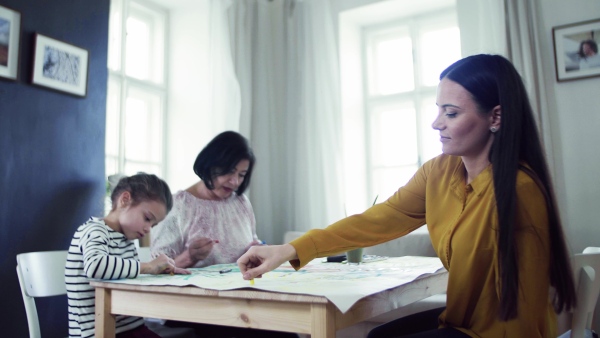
229	221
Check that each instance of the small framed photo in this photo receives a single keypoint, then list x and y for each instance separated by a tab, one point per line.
576	50
60	66
10	36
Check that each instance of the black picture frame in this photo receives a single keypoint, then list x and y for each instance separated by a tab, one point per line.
60	66
571	43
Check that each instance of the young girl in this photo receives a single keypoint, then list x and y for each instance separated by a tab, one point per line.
104	249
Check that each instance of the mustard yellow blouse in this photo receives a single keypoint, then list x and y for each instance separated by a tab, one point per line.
462	221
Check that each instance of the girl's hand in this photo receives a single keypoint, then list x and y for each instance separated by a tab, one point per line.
162	264
262	259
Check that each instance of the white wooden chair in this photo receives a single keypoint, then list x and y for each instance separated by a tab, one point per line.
41	274
586	269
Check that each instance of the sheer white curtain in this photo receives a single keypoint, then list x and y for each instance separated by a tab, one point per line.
224	100
315	115
524	32
511	28
258	43
286	64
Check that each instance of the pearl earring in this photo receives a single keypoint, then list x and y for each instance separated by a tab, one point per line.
493	129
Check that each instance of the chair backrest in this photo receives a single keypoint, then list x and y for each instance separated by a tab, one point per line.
41	274
586	267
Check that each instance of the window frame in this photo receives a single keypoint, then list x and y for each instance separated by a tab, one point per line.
414	26
128	82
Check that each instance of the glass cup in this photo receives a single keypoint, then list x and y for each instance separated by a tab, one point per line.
355	256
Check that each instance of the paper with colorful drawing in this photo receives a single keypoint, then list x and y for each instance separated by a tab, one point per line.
335	281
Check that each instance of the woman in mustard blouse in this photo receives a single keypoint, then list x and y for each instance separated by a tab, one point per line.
489	206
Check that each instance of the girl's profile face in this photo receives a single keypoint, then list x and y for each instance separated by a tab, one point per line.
464	131
135	221
227	184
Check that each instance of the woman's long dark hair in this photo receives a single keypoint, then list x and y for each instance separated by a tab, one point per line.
492	80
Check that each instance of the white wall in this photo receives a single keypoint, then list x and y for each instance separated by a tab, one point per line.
576	127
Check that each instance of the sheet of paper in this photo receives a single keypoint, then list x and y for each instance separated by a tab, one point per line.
342	284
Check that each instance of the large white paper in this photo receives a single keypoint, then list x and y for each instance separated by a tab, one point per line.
341	283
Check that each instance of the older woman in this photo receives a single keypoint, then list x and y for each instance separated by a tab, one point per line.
212	222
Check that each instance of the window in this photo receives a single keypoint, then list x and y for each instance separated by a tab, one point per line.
136	96
401	66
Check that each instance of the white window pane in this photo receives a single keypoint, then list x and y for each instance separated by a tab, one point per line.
439	49
111	165
114	34
113	108
137	63
386	181
134	130
145	43
143	126
393	65
430	138
394	135
132	168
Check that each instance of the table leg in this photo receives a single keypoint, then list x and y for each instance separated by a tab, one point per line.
105	321
323	321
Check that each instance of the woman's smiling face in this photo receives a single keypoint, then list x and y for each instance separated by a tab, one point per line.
464	130
227	184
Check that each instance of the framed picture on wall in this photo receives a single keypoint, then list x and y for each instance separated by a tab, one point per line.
10	36
576	50
60	66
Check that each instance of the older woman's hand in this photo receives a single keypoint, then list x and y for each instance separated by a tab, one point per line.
200	248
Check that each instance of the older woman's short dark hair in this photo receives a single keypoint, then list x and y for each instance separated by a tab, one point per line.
221	155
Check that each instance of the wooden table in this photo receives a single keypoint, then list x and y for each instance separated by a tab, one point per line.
307	314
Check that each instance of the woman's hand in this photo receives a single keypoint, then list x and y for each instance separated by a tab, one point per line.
200	248
162	264
262	259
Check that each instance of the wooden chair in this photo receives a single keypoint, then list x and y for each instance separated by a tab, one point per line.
42	274
586	268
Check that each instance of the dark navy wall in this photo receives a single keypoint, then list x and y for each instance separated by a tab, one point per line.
51	153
